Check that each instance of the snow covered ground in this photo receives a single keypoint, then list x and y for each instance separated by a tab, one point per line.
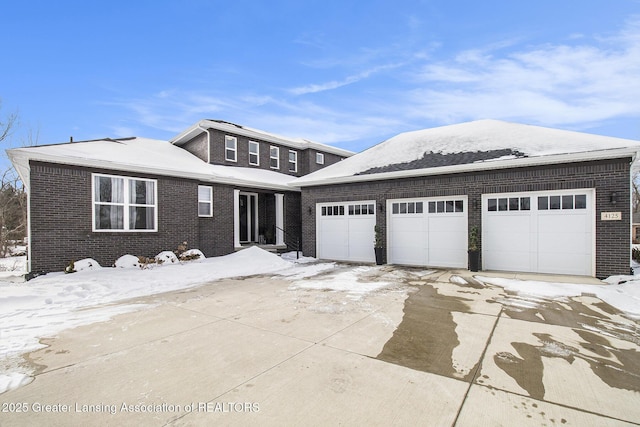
49	304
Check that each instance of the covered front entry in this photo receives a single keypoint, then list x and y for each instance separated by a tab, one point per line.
258	218
539	232
428	231
345	231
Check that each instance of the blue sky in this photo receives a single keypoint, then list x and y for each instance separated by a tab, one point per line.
348	73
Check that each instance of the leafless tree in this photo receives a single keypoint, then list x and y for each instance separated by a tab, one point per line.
13	199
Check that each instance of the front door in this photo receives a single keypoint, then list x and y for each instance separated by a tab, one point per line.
248	217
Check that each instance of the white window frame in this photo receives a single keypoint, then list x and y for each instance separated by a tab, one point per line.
126	205
256	154
276	157
228	150
294	161
208	202
320	158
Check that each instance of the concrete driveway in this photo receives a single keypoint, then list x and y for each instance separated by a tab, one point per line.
429	349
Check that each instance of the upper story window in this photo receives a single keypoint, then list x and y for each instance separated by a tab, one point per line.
205	201
293	161
254	153
274	157
231	148
320	158
124	204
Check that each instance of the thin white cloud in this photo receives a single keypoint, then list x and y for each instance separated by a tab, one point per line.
335	84
551	84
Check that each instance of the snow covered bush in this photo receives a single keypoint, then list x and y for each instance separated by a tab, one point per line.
87	264
191	254
128	261
166	257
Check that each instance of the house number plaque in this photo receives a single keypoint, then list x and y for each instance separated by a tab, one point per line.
611	216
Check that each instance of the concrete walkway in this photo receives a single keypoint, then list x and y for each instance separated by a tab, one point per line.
426	350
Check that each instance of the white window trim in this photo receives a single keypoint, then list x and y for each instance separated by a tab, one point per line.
277	156
126	205
257	153
295	161
234	149
320	158
209	202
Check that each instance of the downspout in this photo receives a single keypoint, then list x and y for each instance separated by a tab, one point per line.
634	159
208	141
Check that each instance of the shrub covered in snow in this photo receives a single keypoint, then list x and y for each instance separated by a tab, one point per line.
166	257
191	254
87	264
128	261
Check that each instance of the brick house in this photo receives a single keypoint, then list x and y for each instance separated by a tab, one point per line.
218	186
543	200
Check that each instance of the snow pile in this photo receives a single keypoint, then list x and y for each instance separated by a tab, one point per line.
621	294
49	304
166	257
127	261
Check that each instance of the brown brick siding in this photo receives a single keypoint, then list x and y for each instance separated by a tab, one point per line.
612	237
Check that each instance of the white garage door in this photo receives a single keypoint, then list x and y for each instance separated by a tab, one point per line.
540	232
345	231
428	231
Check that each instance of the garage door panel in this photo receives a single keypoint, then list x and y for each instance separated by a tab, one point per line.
435	236
348	233
536	237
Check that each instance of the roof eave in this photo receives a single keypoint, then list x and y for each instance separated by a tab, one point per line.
478	166
20	159
199	127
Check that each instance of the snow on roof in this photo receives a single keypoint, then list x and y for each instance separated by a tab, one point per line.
147	156
299	143
468	143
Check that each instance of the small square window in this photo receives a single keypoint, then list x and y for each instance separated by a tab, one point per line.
459	206
525	204
396	208
440	207
449	205
341	210
324	211
403	208
372	210
514	204
492	205
320	158
502	204
357	210
567	202
432	207
411	208
554	202
351	209
418	207
543	203
581	201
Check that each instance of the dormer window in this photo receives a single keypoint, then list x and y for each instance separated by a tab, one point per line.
254	153
320	158
231	148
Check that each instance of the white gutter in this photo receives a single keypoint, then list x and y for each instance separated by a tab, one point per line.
208	142
471	167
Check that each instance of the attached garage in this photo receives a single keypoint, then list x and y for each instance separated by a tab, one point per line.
345	231
428	231
539	232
